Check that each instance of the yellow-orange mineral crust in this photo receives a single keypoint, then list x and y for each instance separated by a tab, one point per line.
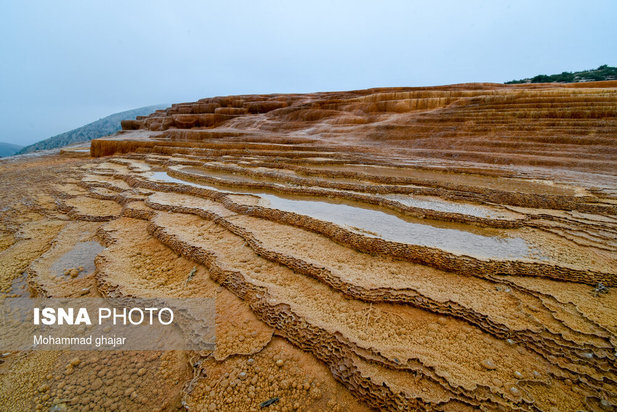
442	248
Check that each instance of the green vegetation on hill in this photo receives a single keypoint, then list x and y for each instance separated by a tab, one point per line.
8	149
102	127
603	72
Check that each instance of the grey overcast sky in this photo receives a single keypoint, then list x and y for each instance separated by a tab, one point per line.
66	63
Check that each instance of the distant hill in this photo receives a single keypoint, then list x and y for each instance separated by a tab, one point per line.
8	149
99	128
603	72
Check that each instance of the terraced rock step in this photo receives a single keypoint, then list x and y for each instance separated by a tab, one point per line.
371	242
396	335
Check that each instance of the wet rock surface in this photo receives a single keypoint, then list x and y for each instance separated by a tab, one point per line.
449	248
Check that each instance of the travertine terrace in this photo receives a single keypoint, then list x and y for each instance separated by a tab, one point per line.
445	248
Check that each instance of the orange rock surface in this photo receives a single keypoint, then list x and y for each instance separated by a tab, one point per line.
442	248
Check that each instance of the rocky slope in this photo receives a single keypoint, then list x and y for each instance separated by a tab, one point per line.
99	128
447	248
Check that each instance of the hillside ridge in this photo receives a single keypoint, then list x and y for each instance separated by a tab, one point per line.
99	128
602	73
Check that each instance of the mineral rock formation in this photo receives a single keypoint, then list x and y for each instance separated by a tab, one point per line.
444	248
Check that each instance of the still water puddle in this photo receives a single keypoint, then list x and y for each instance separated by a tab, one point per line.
375	223
164	177
445	206
82	255
379	224
423	202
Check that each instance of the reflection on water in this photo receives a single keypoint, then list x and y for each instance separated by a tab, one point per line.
443	205
164	177
82	254
379	224
383	225
423	202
